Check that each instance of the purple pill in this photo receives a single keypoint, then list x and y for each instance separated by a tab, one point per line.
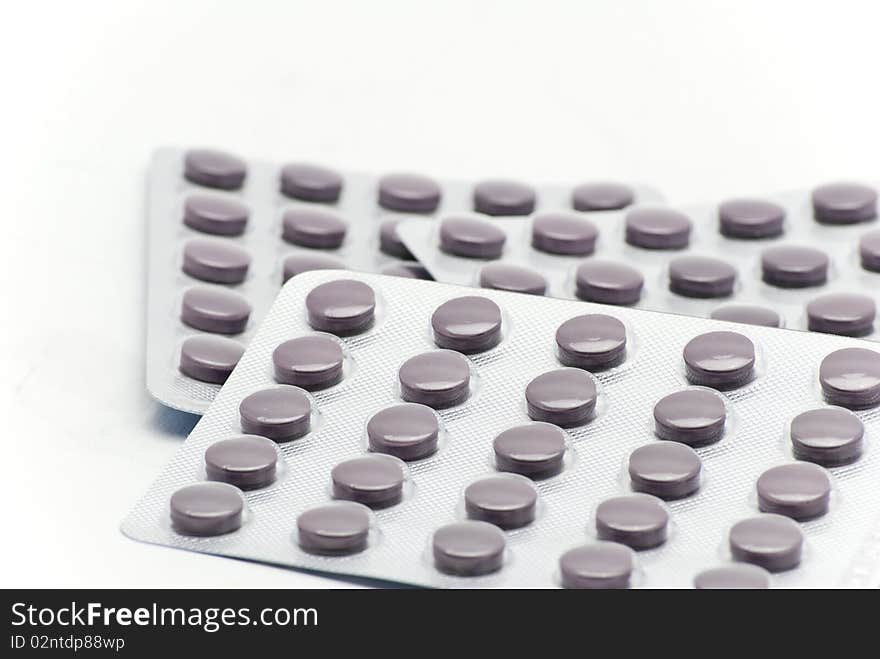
215	310
750	218
536	450
215	261
600	565
846	314
310	183
695	417
411	270
743	576
313	227
408	431
607	282
246	461
800	490
668	470
565	397
844	203
749	314
221	216
770	541
295	264
869	251
334	529
514	278
828	436
564	233
390	242
206	509
639	521
409	193
209	358
850	377
373	480
508	502
342	307
471	237
468	549
722	359
602	196
654	227
310	362
214	169
701	277
790	266
437	379
503	197
467	324
592	341
281	413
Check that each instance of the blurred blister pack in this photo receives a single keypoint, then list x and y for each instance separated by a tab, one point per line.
225	233
430	434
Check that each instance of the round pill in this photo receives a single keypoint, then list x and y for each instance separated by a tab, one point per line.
310	182
390	243
313	227
800	490
468	324
598	565
668	470
343	306
701	276
310	362
373	480
869	251
847	314
437	379
743	576
471	237
602	196
215	310
591	341
407	271
719	359
607	282
535	449
506	501
790	266
247	461
295	264
214	169
408	431
281	413
409	193
514	278
564	233
207	509
468	549
654	227
750	218
639	521
844	203
217	215
342	527
209	358
565	397
850	377
770	541
501	197
827	436
216	262
694	417
749	314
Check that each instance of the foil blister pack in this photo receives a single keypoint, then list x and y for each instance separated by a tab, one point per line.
436	435
808	259
225	233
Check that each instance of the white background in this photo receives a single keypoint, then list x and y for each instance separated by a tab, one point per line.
702	99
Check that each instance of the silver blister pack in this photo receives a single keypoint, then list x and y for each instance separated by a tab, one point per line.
259	239
774	278
838	548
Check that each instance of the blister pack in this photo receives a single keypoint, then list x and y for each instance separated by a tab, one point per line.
430	434
224	234
802	260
